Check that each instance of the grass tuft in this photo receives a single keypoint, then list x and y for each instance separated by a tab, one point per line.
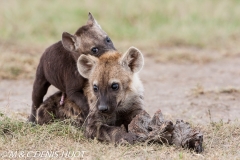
220	142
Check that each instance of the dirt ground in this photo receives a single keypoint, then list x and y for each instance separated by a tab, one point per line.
198	93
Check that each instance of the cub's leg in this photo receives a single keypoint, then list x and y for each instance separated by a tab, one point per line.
78	97
40	88
52	109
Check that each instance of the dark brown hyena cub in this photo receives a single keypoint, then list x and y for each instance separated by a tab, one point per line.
58	67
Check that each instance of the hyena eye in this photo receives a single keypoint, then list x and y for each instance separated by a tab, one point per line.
108	40
95	50
115	86
95	88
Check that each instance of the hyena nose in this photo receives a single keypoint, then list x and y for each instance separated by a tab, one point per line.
102	108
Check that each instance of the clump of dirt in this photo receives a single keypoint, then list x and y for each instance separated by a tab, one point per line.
187	137
159	130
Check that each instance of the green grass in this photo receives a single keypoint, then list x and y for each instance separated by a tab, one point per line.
168	22
170	30
221	141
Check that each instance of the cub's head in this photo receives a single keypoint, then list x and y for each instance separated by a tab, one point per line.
88	39
113	79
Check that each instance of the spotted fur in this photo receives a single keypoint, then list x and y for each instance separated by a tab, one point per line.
51	110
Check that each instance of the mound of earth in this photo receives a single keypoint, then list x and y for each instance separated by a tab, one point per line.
159	130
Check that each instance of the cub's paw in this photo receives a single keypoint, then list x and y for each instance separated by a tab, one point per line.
127	138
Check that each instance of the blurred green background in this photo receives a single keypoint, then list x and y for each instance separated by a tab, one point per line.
27	27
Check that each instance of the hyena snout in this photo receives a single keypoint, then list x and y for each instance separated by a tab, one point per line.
103	108
105	104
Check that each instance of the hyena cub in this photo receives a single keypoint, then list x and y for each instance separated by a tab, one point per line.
114	92
58	67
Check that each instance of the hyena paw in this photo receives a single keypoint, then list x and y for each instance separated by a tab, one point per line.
127	138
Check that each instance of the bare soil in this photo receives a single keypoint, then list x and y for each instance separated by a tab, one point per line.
188	91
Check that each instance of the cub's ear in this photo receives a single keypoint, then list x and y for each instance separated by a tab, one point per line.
92	21
132	60
85	65
69	42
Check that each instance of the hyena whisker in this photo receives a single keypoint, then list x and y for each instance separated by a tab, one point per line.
91	110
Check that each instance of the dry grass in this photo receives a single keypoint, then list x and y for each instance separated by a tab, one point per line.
18	62
184	55
221	141
229	90
200	90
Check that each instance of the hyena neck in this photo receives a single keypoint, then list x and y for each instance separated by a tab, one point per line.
136	85
132	103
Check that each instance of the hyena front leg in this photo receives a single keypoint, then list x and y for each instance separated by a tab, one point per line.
52	109
96	128
40	88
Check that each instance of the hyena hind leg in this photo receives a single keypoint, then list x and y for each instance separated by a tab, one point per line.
69	110
48	110
51	109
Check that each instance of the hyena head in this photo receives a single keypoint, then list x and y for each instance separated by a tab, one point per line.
88	39
113	79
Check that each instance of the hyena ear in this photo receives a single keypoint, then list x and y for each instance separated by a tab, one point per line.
69	42
85	64
91	20
133	60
